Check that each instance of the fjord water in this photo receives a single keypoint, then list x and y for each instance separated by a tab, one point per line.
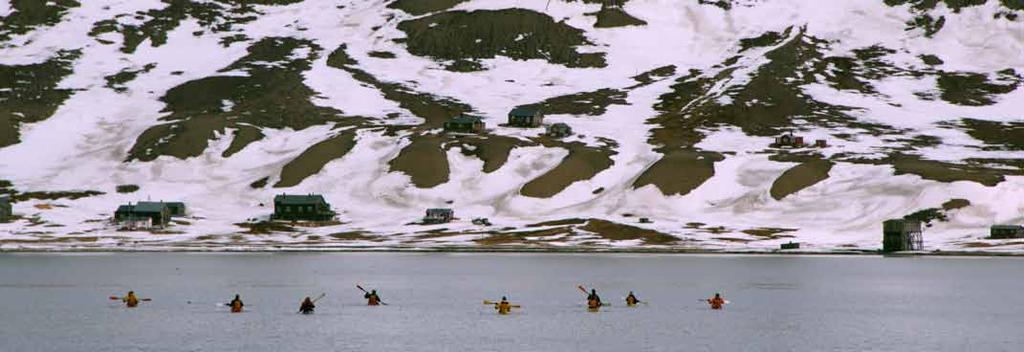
59	302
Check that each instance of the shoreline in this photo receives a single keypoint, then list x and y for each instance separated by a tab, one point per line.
511	250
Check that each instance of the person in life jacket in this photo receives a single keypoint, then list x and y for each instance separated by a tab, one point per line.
307	306
593	300
503	307
716	302
130	300
631	299
236	305
372	299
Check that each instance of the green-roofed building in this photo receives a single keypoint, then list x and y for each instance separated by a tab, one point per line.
143	214
1006	231
902	235
465	124
438	216
177	208
6	209
559	130
311	207
526	116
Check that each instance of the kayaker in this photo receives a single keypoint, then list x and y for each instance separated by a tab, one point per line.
372	299
307	306
503	307
593	300
631	299
236	305
716	302
130	300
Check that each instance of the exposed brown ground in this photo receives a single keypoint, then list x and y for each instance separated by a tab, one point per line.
621	232
800	177
582	163
768	233
424	161
313	159
679	172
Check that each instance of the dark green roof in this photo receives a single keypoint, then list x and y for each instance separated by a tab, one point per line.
289	199
525	110
142	207
5	200
1007	227
150	207
466	119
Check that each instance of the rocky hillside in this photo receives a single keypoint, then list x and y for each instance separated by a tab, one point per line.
675	107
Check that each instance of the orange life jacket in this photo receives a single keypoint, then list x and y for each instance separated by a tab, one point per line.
504	308
716	303
373	300
236	306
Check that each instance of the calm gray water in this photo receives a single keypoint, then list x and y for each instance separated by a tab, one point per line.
56	302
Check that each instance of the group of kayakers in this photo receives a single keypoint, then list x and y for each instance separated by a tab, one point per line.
503	307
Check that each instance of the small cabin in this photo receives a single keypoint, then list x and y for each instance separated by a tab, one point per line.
177	208
645	221
820	143
790	245
310	207
559	130
465	124
526	116
143	215
6	209
438	216
902	235
789	140
1006	231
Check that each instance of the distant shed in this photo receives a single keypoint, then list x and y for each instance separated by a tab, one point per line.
902	235
438	216
465	124
177	208
559	130
6	209
1006	231
526	116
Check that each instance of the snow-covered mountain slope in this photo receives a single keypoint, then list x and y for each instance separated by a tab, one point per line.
674	105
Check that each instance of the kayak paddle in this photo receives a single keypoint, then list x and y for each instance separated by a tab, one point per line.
378	298
496	303
319	297
116	298
588	294
314	300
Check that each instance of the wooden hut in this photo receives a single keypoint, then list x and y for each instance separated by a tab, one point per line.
1006	231
465	124
526	116
311	207
143	215
902	235
559	130
6	209
177	208
438	216
790	245
789	140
